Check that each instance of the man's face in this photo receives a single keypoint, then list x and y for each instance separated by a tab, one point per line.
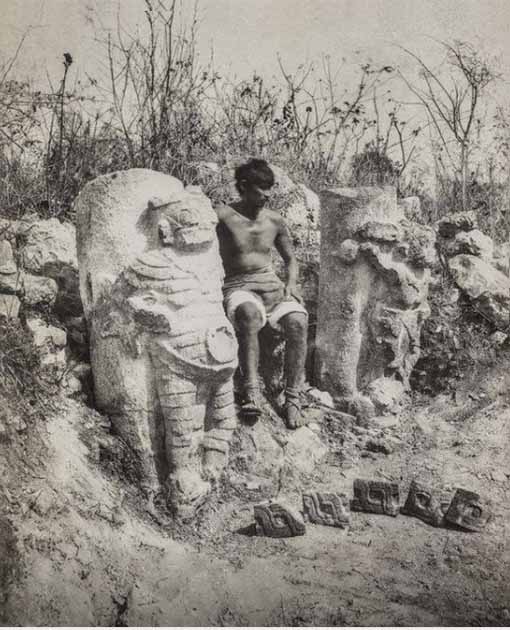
188	223
254	195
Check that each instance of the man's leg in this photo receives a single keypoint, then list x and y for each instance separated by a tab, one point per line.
294	327
248	322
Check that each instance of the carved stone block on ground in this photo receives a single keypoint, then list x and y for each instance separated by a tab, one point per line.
278	520
426	503
327	508
377	497
468	510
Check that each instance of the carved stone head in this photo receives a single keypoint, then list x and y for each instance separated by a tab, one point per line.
188	223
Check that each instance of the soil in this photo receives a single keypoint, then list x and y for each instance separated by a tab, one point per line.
79	548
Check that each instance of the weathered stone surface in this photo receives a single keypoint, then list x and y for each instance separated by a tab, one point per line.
327	508
49	247
501	258
323	398
162	351
39	290
7	263
468	510
473	242
386	394
304	450
450	225
10	276
426	503
487	288
9	306
377	497
374	281
45	335
278	520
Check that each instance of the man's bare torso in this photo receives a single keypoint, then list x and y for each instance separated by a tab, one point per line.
245	243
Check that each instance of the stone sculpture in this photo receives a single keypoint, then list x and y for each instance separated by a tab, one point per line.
278	520
468	511
327	508
162	351
377	497
374	281
426	503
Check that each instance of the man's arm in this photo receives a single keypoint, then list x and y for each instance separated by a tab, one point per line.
284	247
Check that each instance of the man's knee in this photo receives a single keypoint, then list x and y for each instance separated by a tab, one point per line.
248	318
295	325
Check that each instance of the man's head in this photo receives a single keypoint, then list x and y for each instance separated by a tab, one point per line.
254	179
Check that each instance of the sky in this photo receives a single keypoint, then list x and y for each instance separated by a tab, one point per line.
247	35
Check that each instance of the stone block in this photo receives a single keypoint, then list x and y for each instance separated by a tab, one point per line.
452	224
278	520
426	503
39	290
327	508
484	285
468	511
377	497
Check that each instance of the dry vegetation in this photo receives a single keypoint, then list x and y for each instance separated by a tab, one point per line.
161	107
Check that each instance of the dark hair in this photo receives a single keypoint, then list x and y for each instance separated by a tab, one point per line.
256	172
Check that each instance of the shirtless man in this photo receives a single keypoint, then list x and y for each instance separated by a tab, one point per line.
254	295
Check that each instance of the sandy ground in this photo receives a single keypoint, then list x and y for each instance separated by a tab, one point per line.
84	552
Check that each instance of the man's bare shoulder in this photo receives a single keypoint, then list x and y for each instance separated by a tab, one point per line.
277	218
224	211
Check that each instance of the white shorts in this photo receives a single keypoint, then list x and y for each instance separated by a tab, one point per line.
236	298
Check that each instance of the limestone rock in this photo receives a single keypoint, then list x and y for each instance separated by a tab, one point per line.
9	306
49	246
374	280
473	242
450	225
7	263
45	335
304	450
487	288
324	398
386	394
501	258
162	350
10	276
39	290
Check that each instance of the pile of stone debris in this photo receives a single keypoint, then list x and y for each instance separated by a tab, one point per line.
465	510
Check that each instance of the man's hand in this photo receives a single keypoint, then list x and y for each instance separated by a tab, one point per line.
292	291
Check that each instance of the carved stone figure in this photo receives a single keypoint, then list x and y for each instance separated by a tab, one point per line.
374	280
278	520
468	510
427	504
327	508
377	497
162	351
